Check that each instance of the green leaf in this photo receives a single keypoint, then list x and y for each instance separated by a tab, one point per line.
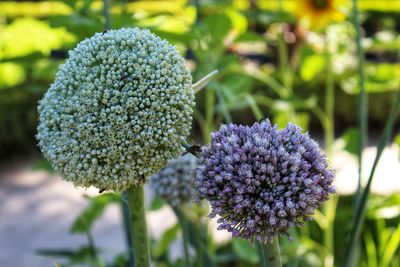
218	26
384	207
380	78
237	84
156	204
96	207
391	247
359	217
350	138
312	66
204	81
167	238
397	139
239	21
302	119
370	248
245	251
42	165
11	74
250	37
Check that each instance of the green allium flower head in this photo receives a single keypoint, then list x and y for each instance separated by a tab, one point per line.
118	110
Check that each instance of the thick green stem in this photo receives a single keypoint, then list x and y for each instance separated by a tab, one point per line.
260	249
272	255
128	236
185	234
138	226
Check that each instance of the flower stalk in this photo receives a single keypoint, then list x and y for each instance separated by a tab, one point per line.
329	134
138	226
185	234
271	254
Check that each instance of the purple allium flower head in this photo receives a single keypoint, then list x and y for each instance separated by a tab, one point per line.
174	182
261	181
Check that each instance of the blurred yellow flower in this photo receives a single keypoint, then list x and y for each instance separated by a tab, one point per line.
319	13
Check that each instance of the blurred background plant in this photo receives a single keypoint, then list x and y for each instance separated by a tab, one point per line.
283	59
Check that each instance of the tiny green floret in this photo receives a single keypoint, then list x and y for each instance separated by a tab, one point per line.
118	110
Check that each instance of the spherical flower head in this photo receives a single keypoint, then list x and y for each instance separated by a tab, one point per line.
261	181
174	183
118	110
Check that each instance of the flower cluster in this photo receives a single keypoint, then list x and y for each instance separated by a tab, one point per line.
174	183
261	180
118	110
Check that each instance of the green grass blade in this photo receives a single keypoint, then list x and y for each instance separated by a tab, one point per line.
361	204
391	248
362	98
370	248
254	107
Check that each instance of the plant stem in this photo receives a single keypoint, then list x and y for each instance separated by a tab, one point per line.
329	139
329	101
260	249
91	245
138	226
128	236
272	256
209	110
185	234
106	14
362	98
203	235
363	132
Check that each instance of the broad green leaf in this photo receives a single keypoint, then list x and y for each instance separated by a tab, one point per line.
237	84
25	36
245	251
95	209
312	66
380	78
218	26
239	21
301	119
156	204
250	37
11	74
167	238
350	138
